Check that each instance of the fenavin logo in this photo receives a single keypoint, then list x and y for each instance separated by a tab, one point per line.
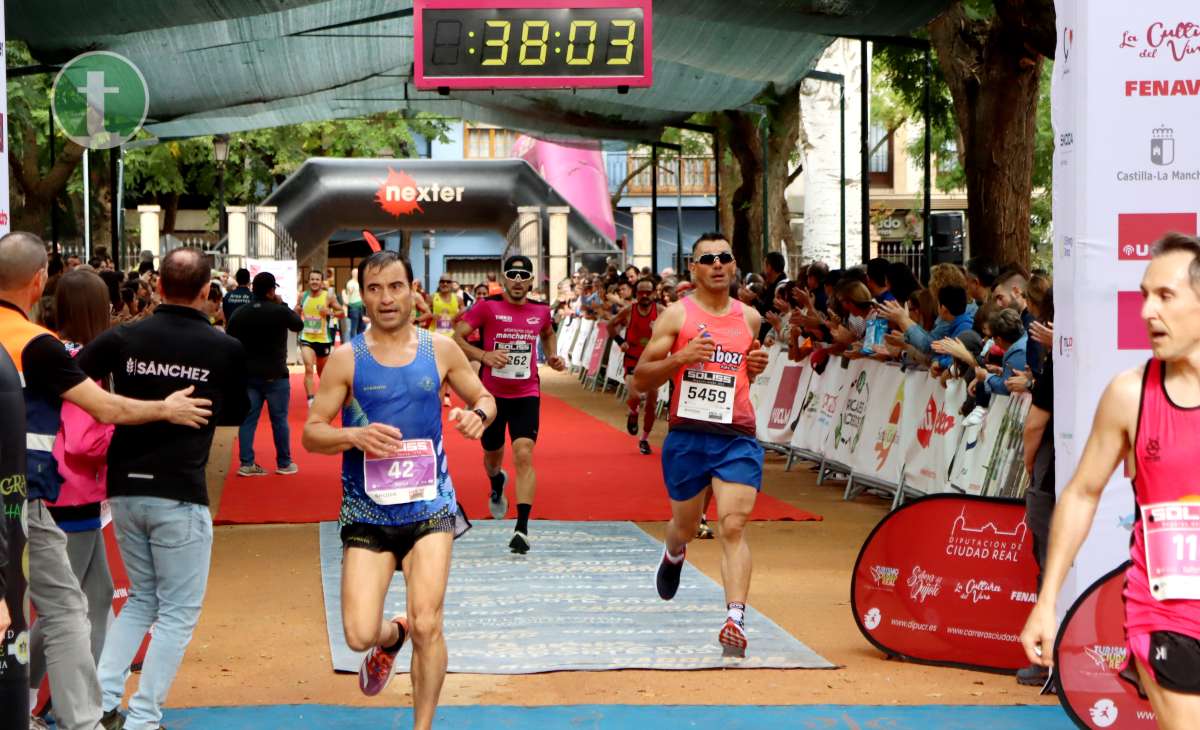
100	100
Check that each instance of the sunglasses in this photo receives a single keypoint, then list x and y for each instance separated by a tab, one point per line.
444	281
518	275
709	259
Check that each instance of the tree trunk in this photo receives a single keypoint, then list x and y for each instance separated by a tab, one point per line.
993	78
170	212
746	203
102	206
37	193
729	178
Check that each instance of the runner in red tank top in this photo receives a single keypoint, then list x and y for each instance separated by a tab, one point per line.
1148	417
638	319
705	343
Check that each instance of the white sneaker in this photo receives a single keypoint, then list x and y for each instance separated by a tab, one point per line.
499	506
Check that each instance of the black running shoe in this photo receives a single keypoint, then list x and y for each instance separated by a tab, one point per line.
519	543
112	720
631	423
644	447
667	580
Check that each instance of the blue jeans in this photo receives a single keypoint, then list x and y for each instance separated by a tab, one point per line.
354	313
277	394
166	546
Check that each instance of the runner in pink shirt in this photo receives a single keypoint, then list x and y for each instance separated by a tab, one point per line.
511	326
1149	418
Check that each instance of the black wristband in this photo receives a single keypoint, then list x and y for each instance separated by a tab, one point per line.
618	339
483	416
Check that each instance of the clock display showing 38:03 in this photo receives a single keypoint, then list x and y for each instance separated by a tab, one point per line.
486	42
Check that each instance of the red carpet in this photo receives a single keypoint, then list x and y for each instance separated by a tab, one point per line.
586	470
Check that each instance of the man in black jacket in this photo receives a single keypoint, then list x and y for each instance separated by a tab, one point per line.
263	326
156	480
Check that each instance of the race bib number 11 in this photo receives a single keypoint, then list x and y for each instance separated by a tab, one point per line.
707	396
409	475
1172	537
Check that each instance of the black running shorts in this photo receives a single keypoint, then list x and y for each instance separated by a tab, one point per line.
396	539
321	349
521	416
1173	659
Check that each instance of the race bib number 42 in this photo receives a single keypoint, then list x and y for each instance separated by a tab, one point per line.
1172	537
707	396
520	359
409	475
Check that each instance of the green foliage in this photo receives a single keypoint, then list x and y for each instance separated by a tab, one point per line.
1041	206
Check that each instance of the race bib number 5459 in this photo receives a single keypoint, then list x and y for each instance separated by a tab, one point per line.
707	396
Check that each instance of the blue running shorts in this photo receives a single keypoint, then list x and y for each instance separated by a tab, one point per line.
691	460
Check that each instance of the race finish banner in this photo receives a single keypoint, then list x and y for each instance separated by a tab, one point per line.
948	580
1089	653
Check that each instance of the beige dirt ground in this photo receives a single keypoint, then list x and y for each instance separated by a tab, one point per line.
261	638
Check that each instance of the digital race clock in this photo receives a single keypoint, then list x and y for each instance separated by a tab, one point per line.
515	44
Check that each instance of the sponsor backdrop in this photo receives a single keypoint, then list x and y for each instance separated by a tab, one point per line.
1126	171
948	579
1089	653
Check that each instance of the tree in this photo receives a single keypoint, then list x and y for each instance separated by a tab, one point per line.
742	189
36	184
988	84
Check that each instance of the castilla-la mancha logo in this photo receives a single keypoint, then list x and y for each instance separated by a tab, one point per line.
400	195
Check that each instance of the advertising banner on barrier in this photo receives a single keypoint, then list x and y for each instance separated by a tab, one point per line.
833	400
975	447
805	437
566	337
789	396
599	342
880	453
1089	653
927	466
614	369
847	430
762	390
948	579
583	341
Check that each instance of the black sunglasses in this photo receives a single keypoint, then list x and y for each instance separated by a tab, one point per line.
518	275
709	259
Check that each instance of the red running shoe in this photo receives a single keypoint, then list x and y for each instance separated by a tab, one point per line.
733	639
379	665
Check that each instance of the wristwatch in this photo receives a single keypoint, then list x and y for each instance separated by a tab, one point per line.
483	416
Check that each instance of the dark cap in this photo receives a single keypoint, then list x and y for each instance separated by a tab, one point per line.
264	283
518	263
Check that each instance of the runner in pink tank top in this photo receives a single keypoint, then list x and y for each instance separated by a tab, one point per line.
705	345
1149	418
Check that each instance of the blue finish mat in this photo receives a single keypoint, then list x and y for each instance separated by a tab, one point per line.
627	717
582	599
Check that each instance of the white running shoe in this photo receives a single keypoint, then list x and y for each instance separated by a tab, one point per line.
497	502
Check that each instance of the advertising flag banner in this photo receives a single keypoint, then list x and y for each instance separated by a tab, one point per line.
789	396
1126	172
880	452
948	579
1089	654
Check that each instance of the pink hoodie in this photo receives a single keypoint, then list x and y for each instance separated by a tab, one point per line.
81	450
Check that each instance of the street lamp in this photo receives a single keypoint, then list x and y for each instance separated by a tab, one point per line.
221	154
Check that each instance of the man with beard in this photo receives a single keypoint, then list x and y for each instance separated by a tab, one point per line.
705	345
398	504
638	319
317	305
510	328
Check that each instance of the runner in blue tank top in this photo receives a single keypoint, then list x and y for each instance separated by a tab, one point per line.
398	504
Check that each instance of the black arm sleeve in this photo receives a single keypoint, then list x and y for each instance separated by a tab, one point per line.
294	322
99	358
48	368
